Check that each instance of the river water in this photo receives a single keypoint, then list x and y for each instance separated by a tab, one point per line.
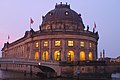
9	75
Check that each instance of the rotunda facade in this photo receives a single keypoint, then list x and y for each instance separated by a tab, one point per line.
61	37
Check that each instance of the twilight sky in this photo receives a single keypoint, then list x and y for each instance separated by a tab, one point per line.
15	15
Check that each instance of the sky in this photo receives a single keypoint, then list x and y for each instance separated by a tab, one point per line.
15	16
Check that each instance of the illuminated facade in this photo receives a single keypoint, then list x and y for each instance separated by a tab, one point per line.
61	37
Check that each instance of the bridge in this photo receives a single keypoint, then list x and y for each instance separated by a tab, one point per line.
45	67
58	68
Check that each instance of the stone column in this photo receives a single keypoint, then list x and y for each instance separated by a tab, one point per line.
94	54
87	54
76	51
87	49
31	50
63	51
26	51
96	51
50	50
39	49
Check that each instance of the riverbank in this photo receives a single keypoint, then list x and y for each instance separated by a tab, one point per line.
13	75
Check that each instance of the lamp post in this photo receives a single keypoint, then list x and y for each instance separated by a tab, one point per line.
39	63
78	74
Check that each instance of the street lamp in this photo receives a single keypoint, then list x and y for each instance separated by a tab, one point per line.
78	74
39	63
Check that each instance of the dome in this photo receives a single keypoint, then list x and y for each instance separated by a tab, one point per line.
64	14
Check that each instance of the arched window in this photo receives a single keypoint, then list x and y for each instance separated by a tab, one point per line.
45	55
70	56
36	55
90	56
57	55
82	55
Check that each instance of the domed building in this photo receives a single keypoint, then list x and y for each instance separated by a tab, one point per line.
65	34
61	38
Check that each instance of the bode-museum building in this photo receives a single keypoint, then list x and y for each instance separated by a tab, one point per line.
61	37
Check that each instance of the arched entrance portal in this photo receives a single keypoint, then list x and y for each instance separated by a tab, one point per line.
70	56
90	56
45	55
82	56
57	55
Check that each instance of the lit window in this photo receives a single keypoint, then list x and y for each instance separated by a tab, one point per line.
57	43
36	44
57	55
45	43
82	44
90	45
66	13
45	55
70	43
36	55
70	56
90	56
82	55
50	13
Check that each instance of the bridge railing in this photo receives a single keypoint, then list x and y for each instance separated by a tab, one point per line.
61	63
26	61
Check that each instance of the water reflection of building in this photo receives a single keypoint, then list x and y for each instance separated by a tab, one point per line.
61	37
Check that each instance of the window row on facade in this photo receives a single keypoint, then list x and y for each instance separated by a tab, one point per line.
58	43
22	50
57	56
